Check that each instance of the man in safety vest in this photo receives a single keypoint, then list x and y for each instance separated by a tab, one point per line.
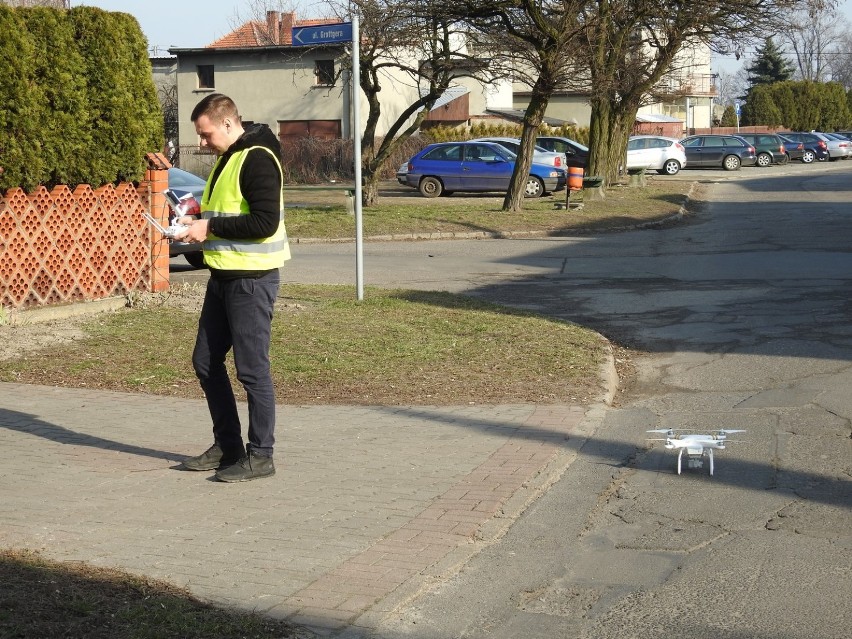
242	234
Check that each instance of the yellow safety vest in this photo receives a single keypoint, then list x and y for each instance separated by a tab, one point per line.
227	199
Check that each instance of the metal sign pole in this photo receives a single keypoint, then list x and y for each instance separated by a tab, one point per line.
356	138
340	32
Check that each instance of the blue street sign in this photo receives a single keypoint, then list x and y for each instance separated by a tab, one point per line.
322	34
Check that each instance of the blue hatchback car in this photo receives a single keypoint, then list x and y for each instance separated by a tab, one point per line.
446	167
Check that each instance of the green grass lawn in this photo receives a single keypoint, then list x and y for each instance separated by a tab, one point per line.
324	214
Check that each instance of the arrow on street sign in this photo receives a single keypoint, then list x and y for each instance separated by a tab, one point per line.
322	34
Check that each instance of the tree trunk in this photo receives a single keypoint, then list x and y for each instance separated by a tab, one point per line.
609	128
370	191
513	202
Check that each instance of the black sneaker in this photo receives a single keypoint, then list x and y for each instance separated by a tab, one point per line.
211	459
250	466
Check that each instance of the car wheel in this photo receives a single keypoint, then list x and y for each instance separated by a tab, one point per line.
731	163
764	159
431	187
671	167
534	187
808	157
195	259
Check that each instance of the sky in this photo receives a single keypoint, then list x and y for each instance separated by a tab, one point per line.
188	23
192	23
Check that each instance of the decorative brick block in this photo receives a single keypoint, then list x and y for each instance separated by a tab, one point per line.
63	246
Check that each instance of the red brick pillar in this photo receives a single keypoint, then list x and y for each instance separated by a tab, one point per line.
157	181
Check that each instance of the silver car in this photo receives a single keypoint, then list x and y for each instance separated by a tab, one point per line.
839	148
540	154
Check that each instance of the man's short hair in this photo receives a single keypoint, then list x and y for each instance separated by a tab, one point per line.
217	107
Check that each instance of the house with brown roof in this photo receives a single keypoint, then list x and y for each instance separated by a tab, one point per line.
301	90
295	90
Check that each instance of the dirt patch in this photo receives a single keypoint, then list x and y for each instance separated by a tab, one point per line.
29	334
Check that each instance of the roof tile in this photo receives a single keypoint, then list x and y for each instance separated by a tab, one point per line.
255	33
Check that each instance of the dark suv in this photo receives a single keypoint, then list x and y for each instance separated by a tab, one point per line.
768	147
815	146
727	151
576	154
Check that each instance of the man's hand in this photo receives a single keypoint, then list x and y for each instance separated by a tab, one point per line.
196	231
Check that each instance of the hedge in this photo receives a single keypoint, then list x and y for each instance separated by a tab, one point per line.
77	98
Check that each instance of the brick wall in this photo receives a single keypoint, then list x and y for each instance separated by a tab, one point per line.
63	246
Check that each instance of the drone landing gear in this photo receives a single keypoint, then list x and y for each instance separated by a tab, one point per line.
695	462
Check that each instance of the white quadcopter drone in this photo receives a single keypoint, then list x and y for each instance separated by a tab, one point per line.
696	445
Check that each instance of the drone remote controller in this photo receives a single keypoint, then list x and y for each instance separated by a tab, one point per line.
174	229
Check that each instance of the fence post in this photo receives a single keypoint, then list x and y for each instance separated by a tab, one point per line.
157	181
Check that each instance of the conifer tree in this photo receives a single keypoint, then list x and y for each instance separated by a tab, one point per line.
769	66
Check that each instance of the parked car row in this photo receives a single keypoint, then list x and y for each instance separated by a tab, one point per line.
475	166
734	151
487	164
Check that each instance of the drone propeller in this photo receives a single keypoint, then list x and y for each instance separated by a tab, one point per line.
661	430
725	431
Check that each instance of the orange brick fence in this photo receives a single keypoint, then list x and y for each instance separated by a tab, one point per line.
64	246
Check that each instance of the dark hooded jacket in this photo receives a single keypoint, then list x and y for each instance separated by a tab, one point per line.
261	182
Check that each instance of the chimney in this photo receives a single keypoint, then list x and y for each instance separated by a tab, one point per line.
272	27
288	21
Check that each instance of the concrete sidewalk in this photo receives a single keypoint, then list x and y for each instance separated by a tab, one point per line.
368	505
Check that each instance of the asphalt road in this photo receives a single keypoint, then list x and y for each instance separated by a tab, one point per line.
742	318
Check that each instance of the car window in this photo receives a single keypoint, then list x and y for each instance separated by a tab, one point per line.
659	143
692	142
732	142
181	178
708	141
446	152
560	147
480	153
635	145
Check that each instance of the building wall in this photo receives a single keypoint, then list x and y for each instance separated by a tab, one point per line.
278	84
565	107
164	72
268	85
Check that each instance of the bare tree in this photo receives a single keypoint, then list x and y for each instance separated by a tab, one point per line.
168	96
412	46
533	39
811	34
731	86
630	45
840	56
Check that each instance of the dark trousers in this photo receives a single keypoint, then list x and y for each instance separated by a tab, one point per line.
238	314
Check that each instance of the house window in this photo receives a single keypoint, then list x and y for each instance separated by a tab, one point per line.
324	71
293	130
205	76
